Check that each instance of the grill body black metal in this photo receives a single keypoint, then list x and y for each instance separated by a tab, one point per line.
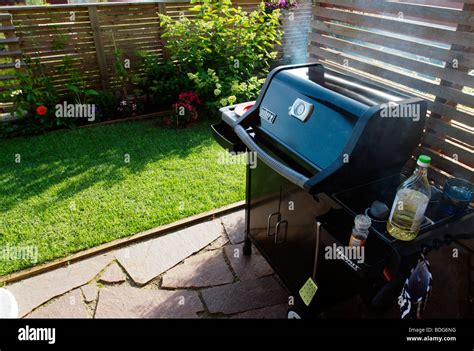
315	173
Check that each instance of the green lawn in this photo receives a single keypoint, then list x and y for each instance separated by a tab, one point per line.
73	190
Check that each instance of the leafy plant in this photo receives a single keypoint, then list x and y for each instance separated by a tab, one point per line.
244	91
222	47
161	81
226	91
281	4
129	107
106	104
36	93
35	2
77	86
59	40
186	111
122	72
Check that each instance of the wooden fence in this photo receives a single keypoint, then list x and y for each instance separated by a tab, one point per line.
89	35
424	47
420	47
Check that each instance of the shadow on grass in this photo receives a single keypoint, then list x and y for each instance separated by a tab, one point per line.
87	156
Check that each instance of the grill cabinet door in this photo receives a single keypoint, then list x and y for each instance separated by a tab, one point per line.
281	225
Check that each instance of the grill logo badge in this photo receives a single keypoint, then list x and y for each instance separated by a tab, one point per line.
267	115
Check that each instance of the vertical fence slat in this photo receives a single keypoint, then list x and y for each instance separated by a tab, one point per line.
96	32
444	83
162	10
350	36
12	51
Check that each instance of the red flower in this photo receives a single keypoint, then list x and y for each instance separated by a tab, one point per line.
41	110
187	100
190	97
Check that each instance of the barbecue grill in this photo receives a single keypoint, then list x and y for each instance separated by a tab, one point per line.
328	148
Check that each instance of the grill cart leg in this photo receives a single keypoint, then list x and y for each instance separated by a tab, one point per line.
247	249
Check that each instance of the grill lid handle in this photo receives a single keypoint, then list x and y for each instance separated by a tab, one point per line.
283	170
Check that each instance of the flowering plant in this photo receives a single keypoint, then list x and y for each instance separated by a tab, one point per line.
190	97
222	45
281	4
127	107
185	110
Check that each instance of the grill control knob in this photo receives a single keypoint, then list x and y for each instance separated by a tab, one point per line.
301	109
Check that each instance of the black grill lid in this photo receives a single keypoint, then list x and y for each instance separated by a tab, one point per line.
331	122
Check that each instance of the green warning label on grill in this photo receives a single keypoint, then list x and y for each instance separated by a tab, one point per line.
308	290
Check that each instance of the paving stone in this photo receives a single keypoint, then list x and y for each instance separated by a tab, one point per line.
147	260
244	296
217	244
234	225
131	302
113	274
273	312
201	270
69	305
33	292
247	267
90	292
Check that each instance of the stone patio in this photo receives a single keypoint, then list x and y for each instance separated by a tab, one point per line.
201	272
196	272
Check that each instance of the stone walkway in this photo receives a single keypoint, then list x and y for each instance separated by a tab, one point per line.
196	272
201	272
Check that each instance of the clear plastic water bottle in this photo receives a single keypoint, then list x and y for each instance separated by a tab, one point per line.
411	201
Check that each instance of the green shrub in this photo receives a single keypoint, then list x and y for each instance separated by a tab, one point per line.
162	81
225	50
35	89
106	104
77	86
34	99
226	91
122	73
